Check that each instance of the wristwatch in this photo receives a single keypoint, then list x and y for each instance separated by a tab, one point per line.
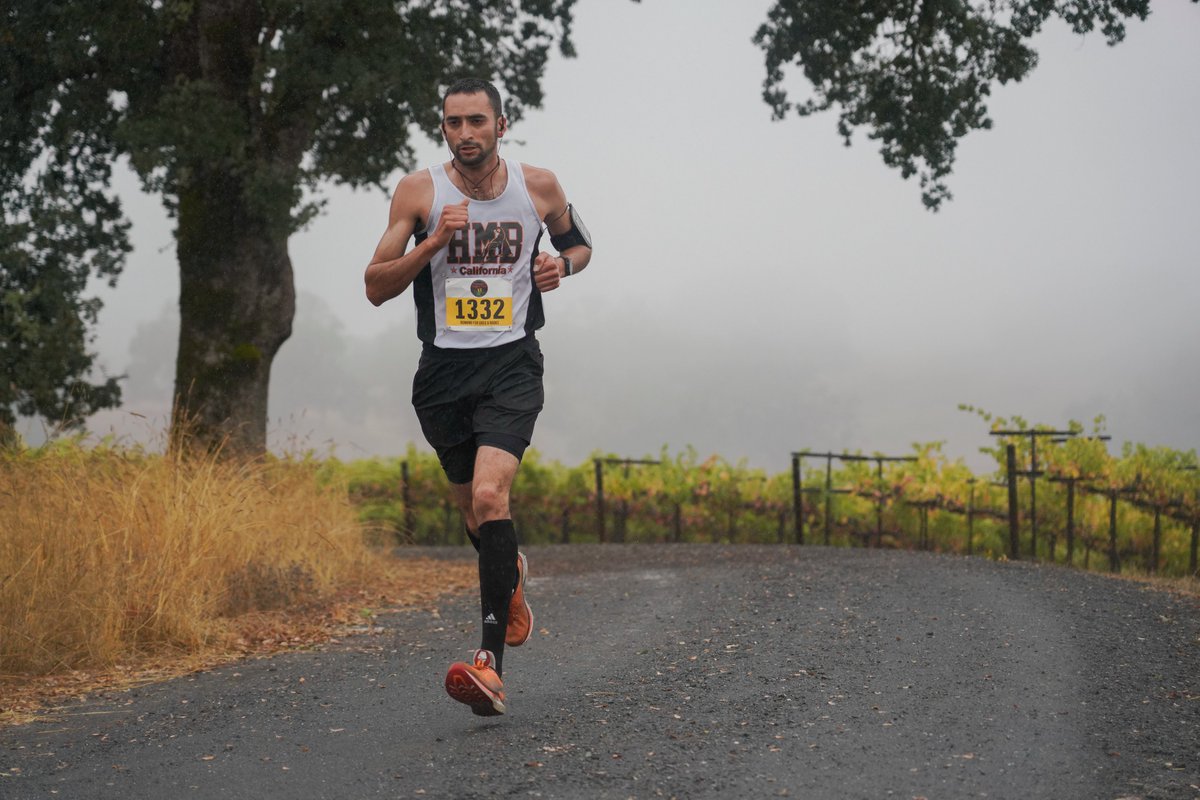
568	267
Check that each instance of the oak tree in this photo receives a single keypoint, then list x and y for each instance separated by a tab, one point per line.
916	74
235	112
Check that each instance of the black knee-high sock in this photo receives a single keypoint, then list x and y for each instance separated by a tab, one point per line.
497	576
475	543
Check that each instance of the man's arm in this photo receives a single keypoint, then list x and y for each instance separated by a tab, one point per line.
393	268
551	202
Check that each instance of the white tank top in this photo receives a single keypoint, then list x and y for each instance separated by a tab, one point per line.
478	290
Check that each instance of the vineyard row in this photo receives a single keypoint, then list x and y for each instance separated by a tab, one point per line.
1065	499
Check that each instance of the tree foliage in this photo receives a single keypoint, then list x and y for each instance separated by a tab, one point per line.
61	224
916	75
235	112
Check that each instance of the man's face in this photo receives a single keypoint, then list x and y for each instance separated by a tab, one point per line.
470	127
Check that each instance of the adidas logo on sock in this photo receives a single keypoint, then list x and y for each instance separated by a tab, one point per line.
490	619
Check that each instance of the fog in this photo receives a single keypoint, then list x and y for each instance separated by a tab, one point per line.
759	288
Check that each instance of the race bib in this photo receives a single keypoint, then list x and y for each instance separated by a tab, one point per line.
478	304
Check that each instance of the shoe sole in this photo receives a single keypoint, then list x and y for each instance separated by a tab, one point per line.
524	602
466	688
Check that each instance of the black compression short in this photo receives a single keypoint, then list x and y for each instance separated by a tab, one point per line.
468	398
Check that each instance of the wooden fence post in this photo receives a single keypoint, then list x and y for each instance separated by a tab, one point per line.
600	500
1114	560
410	520
1033	473
1014	522
1071	522
878	507
797	499
971	519
828	497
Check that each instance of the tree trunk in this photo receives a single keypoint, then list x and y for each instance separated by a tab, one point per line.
236	296
236	304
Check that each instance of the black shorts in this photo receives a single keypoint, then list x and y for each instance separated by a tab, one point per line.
488	396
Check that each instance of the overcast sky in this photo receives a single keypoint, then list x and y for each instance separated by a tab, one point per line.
759	288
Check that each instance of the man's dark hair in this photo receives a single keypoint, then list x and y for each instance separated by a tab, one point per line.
473	86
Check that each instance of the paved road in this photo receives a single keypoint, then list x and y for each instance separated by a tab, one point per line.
690	672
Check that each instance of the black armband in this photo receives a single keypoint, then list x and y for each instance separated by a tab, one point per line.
577	236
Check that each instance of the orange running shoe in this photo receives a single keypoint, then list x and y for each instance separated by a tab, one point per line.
520	615
477	684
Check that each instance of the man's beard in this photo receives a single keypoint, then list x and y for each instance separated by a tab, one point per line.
482	156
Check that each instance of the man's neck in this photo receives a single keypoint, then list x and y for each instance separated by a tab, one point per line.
479	182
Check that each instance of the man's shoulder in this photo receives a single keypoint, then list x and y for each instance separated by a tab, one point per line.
420	180
538	178
413	194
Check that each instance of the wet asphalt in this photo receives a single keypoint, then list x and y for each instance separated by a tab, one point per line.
689	671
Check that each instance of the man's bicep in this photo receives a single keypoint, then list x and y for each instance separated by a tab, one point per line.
557	219
403	221
394	242
548	195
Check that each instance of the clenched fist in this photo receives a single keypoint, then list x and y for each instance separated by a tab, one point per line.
453	218
547	272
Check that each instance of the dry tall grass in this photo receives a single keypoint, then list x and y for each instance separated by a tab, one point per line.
110	553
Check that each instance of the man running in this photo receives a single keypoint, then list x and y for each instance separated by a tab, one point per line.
477	276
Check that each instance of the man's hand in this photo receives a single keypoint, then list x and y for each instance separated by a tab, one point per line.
547	272
453	219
